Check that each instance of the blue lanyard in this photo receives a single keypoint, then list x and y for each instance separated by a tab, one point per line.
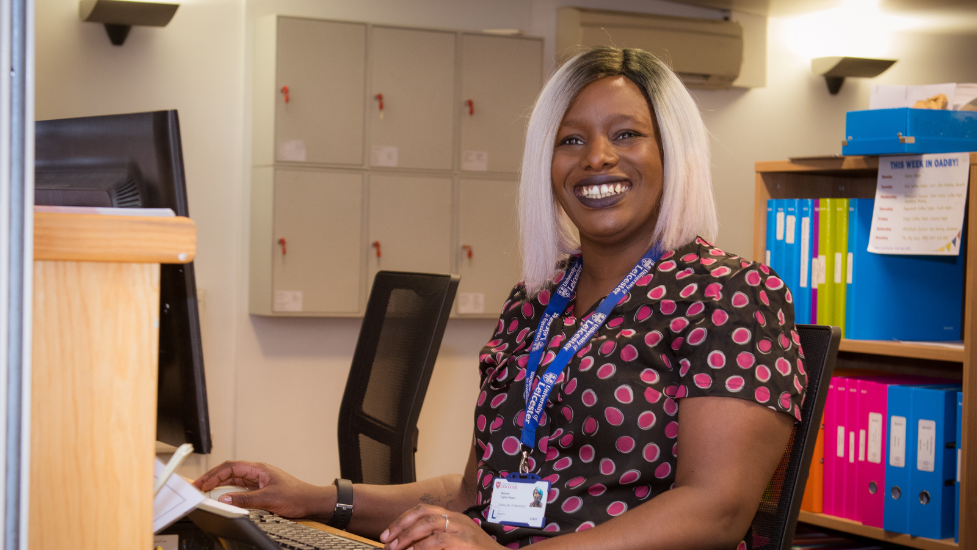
536	398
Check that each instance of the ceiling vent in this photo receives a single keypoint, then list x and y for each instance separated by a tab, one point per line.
706	53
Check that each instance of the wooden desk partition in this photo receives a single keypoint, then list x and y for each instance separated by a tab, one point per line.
93	411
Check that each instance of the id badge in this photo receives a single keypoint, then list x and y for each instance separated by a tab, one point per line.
519	500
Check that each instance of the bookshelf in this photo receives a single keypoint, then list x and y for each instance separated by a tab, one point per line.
855	177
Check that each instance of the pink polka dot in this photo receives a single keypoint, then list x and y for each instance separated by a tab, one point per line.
488	452
684	366
657	293
646	420
667	307
762	373
691	257
740	300
707	261
566	440
800	367
497	400
670	406
585	525
510	445
628	332
617	508
527	310
615	322
784	342
677	343
713	290
487	480
548	358
629	353
625	444
761	394
785	401
697	336
567	413
760	318
624	394
562	464
590	426
643	280
719	317
774	283
695	309
543	297
652	395
667	266
572	504
551	527
721	271
586	363
763	298
735	384
783	366
666	361
678	324
614	416
663	469
649	376
570	387
689	289
596	490
797	385
702	380
642	492
764	346
606	371
481	398
716	359
643	313
576	482
496	424
519	418
588	397
684	273
586	453
607	347
752	278
480	423
607	466
682	392
552	478
653	338
764	269
745	359
671	430
630	476
651	452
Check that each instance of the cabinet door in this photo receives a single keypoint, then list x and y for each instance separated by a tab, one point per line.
487	227
323	64
317	268
501	76
410	218
413	70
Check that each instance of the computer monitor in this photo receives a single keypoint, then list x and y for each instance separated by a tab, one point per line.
136	161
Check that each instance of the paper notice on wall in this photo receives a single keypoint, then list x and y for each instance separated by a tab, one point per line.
919	204
292	150
471	302
474	161
288	300
384	155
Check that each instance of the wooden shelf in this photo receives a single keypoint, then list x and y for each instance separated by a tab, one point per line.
855	528
109	238
901	349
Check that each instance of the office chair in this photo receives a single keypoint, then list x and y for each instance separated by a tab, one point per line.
776	518
398	343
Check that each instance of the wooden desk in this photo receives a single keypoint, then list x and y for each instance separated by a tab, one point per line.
95	347
334	531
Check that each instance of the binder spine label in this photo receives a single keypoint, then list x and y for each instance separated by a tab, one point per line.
849	267
791	227
875	438
861	445
897	442
805	249
838	267
822	269
780	226
841	442
851	447
926	446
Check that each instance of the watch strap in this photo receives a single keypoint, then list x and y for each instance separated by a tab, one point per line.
344	504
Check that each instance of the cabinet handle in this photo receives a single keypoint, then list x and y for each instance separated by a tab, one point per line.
380	104
376	244
468	249
285	91
281	241
471	107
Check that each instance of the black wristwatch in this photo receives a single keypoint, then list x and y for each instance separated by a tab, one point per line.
344	504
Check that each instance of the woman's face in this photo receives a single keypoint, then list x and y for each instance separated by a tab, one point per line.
607	164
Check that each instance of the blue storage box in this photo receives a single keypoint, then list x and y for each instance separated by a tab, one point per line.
909	132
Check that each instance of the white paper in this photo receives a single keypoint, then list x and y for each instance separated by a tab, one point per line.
474	161
166	542
841	442
926	446
897	96
384	155
471	302
897	442
175	499
288	300
966	93
805	251
292	150
875	438
919	204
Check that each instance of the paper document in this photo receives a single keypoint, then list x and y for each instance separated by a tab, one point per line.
176	499
919	204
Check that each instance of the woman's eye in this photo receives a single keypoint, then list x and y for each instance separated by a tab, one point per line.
628	134
570	140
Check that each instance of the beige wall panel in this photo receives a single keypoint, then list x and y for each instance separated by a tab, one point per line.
414	70
501	76
323	63
318	213
487	223
93	410
410	216
260	258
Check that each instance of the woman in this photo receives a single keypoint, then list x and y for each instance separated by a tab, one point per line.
642	315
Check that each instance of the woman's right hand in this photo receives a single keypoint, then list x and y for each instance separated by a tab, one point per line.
270	489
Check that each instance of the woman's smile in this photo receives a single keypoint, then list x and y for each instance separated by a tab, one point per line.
601	191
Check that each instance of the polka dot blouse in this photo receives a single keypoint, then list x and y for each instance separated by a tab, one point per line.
701	323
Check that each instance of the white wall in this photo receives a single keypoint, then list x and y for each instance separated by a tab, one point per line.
275	384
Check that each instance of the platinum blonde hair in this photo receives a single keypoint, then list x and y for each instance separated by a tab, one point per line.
687	206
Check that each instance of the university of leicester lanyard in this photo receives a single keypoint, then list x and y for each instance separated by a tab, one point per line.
536	397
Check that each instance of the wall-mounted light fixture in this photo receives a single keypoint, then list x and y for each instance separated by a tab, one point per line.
120	15
835	69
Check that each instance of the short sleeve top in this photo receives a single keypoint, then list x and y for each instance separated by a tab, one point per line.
701	323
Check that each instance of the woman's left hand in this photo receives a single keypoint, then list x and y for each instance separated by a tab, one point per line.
426	527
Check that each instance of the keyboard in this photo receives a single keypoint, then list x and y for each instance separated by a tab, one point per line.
295	536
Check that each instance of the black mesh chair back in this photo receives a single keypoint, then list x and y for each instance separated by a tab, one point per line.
776	518
398	343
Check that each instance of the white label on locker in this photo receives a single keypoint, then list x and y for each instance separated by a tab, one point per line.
780	226
926	446
805	251
292	150
841	442
822	269
791	227
875	438
861	445
288	300
838	267
471	302
897	442
851	447
384	155
474	161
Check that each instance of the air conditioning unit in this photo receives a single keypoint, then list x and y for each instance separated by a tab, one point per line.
706	53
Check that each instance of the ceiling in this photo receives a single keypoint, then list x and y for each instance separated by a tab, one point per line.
958	16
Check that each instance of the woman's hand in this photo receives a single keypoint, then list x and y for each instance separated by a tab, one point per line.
269	488
426	527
